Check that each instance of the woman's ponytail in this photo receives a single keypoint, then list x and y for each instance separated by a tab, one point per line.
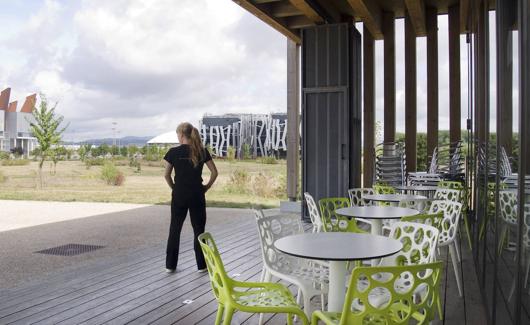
196	147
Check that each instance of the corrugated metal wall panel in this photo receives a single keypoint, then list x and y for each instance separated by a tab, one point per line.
331	126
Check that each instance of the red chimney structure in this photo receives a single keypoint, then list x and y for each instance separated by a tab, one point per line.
29	103
4	98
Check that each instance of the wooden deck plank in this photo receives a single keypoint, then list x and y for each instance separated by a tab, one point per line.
44	301
106	313
16	296
103	282
135	291
148	278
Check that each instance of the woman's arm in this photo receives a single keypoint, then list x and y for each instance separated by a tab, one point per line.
213	174
167	175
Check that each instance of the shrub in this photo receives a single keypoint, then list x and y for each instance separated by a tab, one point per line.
89	162
270	160
231	153
15	162
245	151
4	155
111	175
134	163
239	181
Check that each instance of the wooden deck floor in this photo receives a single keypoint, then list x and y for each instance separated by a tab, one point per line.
134	289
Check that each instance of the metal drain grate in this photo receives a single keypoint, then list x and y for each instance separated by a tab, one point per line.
70	249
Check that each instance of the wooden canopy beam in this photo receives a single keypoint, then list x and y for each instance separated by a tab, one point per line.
465	9
416	12
263	12
307	10
370	14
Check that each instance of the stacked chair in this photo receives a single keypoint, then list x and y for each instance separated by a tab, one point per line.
390	163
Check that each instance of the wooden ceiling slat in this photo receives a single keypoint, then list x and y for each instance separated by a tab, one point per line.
284	9
262	11
296	22
370	13
416	10
307	10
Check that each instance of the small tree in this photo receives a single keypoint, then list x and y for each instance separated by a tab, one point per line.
46	128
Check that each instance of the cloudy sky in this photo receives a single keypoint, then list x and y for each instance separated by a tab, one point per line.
148	65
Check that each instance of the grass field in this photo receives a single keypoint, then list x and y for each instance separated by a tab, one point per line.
240	184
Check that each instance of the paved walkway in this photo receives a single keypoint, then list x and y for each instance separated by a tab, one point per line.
21	214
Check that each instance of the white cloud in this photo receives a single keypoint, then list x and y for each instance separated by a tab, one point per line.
145	64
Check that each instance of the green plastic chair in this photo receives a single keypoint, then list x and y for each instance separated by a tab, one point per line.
384	189
334	222
380	188
453	185
249	297
393	304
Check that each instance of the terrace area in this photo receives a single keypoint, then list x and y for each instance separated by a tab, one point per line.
134	289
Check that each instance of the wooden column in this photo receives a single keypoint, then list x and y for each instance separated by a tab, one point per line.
293	118
432	80
454	74
481	76
390	77
368	107
410	94
505	19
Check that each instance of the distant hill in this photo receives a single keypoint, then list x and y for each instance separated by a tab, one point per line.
125	141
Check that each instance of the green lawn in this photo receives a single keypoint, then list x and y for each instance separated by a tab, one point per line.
240	184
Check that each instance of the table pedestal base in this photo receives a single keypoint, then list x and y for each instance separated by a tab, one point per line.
377	230
337	285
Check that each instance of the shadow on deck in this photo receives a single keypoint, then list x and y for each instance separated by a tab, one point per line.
134	289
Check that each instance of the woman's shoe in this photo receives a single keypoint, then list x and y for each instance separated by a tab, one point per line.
170	270
202	270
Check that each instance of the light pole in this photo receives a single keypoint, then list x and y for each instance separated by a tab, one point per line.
114	133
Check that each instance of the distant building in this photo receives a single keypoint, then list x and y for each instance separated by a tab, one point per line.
15	131
263	134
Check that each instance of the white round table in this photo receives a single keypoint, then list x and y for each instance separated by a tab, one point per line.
338	248
394	198
428	190
376	214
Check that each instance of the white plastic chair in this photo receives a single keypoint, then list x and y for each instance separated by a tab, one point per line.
526	246
314	214
356	196
448	231
447	194
311	278
419	244
508	212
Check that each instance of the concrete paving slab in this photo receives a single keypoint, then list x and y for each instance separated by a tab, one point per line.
20	214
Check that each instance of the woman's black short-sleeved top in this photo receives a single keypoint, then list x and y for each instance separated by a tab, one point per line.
187	177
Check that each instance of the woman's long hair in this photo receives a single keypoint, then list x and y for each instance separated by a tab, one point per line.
196	147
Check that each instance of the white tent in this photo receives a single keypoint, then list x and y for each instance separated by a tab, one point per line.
165	138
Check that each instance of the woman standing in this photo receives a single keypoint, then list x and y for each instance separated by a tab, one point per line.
187	160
